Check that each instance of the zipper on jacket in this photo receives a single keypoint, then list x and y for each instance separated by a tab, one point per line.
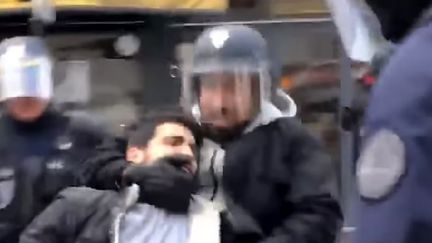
213	174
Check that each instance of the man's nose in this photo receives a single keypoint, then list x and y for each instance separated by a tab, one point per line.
186	150
219	98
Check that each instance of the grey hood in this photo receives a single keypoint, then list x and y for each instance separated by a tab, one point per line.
282	105
212	154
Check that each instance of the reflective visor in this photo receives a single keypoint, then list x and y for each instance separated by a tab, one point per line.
225	93
227	98
26	78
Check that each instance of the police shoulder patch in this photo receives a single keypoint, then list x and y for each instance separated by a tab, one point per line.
381	164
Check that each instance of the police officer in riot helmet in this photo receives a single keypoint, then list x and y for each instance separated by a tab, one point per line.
235	84
257	160
41	149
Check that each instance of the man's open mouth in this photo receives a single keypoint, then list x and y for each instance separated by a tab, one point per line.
184	163
187	168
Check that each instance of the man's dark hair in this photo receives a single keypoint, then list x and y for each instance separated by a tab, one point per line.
141	133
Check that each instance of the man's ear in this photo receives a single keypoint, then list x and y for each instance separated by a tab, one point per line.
135	155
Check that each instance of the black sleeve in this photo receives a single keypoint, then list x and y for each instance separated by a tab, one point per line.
104	161
316	216
57	222
104	168
229	233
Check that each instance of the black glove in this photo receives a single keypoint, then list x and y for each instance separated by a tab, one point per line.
165	184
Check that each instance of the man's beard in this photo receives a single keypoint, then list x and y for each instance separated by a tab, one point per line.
224	135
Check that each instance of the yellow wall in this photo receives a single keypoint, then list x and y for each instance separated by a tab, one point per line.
298	7
151	4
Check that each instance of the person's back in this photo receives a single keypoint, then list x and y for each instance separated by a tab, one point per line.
394	166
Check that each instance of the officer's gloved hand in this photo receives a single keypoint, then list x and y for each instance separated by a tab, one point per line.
165	184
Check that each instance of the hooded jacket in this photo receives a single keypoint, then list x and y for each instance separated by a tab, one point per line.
212	154
82	214
279	176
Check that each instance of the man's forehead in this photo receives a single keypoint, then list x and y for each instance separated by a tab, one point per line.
173	129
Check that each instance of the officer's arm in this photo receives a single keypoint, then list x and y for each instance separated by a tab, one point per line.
103	158
104	168
316	215
54	224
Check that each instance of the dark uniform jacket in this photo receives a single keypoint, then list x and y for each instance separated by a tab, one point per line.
37	161
280	175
